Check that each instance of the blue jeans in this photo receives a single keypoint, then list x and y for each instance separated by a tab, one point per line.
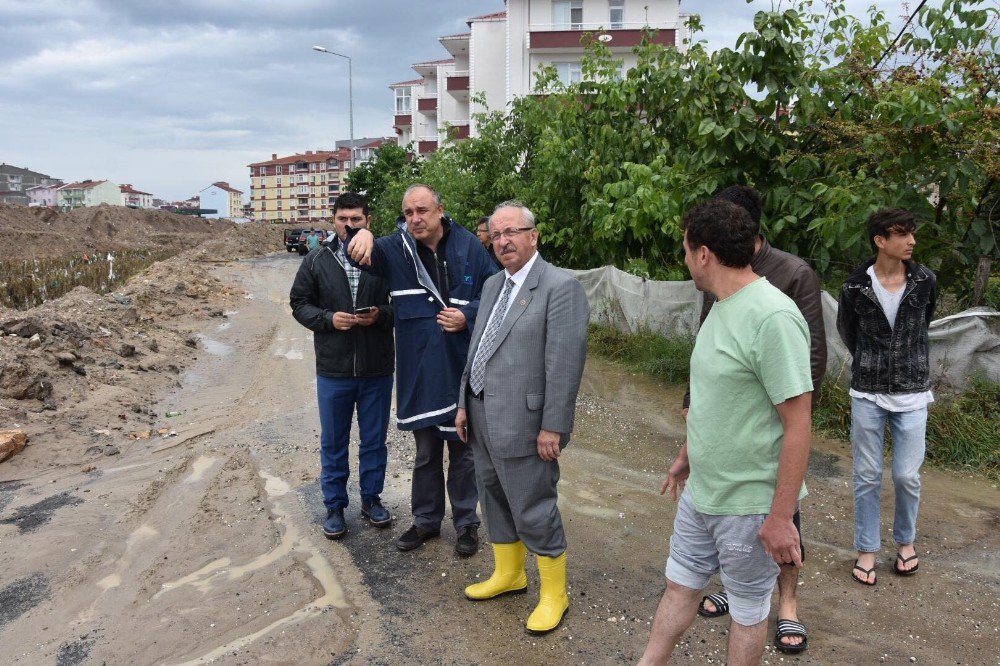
337	399
867	442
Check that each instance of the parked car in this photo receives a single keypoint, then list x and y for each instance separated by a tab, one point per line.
303	246
292	238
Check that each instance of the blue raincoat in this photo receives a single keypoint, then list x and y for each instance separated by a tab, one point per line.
429	362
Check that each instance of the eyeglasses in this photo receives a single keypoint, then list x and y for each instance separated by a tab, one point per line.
508	233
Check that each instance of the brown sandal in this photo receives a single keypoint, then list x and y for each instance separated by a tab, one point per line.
903	560
866	572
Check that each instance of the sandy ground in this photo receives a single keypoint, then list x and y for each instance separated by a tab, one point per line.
201	543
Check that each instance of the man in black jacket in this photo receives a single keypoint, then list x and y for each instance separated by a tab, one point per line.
886	307
349	313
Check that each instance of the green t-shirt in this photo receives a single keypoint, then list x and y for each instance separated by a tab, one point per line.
751	354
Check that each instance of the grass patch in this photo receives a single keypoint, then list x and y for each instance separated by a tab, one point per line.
963	431
648	352
25	284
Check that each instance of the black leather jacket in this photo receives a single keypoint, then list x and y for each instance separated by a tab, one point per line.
888	359
319	290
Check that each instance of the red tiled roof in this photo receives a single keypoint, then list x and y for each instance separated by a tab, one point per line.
411	82
223	185
128	189
317	156
83	185
446	61
486	17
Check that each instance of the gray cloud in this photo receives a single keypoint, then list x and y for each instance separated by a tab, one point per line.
172	95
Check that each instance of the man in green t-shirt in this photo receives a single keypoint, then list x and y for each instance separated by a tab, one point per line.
747	446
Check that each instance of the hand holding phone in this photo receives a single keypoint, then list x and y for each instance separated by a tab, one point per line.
364	310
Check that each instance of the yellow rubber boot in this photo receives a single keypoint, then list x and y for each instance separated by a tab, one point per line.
553	602
508	573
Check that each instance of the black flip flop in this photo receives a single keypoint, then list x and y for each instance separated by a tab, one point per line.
788	628
867	572
903	560
721	605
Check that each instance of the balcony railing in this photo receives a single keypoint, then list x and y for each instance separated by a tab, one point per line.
601	26
427	104
457	81
569	35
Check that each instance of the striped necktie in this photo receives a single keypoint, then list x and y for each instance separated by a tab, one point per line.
477	378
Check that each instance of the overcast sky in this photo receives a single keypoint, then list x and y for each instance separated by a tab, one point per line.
172	95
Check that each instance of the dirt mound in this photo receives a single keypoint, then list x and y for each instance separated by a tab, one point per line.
252	239
27	233
78	372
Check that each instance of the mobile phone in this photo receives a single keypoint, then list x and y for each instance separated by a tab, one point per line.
364	310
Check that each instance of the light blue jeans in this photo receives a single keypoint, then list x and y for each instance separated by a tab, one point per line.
867	443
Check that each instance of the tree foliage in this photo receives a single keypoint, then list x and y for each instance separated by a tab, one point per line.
830	116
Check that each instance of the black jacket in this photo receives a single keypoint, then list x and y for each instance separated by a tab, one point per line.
888	359
319	290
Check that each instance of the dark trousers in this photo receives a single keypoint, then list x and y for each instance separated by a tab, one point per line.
338	397
427	494
519	495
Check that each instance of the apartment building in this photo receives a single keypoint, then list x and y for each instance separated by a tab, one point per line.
88	193
134	198
298	188
225	200
498	57
16	181
364	149
44	196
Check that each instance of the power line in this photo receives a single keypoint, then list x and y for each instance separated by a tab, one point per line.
851	94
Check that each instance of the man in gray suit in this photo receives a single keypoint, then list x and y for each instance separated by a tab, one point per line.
516	408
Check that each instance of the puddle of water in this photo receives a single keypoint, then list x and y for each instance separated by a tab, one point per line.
224	325
291	354
199	467
214	347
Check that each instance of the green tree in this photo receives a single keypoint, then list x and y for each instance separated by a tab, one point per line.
381	180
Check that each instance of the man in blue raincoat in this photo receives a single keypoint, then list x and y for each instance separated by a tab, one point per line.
436	270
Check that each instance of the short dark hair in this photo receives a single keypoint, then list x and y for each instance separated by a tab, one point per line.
890	221
745	197
485	219
350	201
724	228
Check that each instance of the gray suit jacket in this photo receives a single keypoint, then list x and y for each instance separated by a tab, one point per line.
534	372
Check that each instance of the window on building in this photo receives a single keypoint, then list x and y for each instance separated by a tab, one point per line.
569	72
567	14
279	181
403	101
616	9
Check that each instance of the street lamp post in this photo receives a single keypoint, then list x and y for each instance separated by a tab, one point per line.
350	92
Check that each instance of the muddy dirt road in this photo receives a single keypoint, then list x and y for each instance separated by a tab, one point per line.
205	547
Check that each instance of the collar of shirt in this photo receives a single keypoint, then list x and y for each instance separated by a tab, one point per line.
520	276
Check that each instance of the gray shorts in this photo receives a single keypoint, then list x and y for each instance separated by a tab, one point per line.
704	544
